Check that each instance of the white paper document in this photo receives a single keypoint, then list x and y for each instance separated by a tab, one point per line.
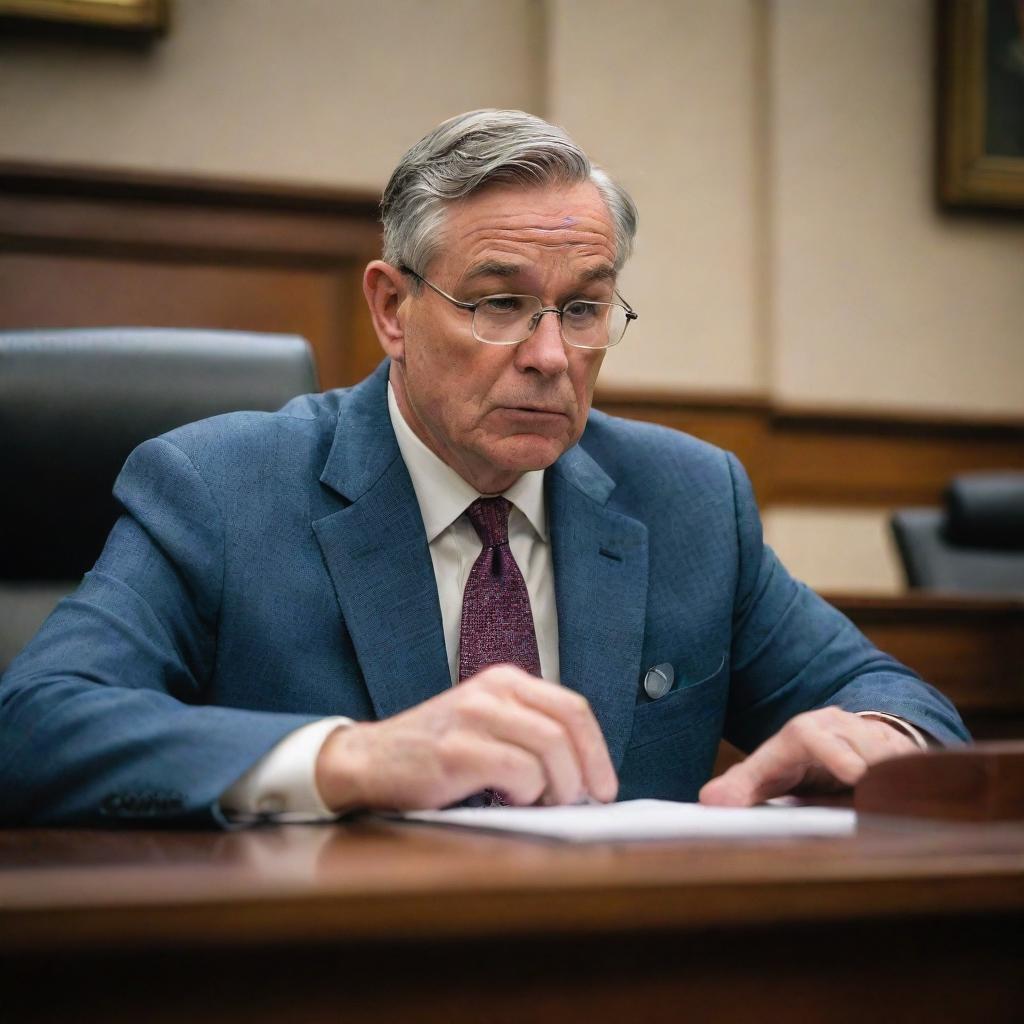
646	819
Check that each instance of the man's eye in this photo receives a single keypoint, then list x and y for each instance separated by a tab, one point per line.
579	311
502	304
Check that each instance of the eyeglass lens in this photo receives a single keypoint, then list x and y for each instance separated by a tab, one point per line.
509	319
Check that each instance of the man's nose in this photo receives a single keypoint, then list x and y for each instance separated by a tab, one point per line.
544	349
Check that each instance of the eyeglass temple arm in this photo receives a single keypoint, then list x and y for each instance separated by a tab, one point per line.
451	298
631	314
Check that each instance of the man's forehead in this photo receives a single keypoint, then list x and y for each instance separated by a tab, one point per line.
503	233
566	212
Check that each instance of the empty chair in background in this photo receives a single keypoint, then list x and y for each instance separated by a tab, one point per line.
974	543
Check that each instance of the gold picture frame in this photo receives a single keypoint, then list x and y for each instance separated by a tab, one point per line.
144	16
982	108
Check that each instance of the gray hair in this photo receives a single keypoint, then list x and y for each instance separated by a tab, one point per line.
480	148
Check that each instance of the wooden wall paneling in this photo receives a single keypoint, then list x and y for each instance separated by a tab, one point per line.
162	225
85	249
877	461
41	289
838	458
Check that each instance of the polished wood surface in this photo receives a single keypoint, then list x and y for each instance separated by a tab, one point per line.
980	782
379	921
77	889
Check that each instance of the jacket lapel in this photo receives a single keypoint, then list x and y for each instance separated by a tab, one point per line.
377	555
600	562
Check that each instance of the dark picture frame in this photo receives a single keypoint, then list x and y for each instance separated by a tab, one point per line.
981	144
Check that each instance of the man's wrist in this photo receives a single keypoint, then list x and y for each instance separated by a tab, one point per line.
339	768
280	786
900	725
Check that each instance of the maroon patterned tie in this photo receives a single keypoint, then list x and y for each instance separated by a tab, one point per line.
497	624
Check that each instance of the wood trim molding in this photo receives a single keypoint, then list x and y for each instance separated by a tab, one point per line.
137	214
845	457
123	183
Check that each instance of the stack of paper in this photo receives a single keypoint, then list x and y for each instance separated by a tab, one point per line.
646	819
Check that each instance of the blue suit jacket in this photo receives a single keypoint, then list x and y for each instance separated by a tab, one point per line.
270	569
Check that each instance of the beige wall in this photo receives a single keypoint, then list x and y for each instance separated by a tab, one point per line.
780	151
315	91
664	96
836	549
880	299
877	298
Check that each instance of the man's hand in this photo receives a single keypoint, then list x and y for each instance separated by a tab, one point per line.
824	751
532	740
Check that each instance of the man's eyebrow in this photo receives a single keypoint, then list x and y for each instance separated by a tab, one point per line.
605	272
496	268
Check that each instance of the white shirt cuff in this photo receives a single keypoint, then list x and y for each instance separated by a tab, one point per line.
281	785
898	723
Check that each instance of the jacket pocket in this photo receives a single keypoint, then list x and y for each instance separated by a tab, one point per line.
681	708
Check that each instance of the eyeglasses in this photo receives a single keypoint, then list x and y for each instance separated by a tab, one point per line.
511	319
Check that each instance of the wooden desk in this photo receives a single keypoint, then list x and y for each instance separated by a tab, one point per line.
379	922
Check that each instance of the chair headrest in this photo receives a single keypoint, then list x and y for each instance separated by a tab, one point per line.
986	510
74	403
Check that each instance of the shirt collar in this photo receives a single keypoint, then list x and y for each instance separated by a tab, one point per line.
443	495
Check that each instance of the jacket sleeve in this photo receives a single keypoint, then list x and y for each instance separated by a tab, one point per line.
792	651
103	717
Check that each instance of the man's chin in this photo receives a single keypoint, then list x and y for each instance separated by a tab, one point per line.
523	453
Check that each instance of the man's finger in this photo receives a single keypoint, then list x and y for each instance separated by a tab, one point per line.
575	714
475	763
539	733
804	746
503	730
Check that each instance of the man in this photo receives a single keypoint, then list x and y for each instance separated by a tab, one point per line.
277	620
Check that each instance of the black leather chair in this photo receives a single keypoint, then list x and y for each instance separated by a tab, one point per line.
73	405
974	543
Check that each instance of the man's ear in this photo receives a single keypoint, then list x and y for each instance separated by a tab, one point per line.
385	289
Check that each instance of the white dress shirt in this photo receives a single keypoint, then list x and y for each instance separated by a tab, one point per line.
443	497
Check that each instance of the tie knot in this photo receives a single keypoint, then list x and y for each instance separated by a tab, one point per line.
489	517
